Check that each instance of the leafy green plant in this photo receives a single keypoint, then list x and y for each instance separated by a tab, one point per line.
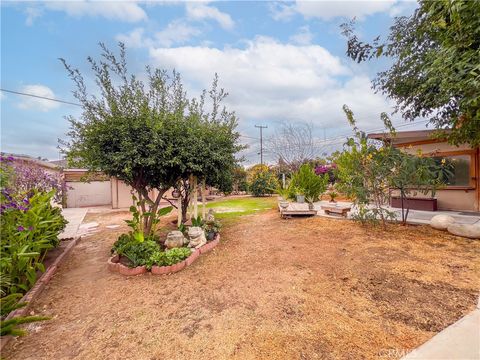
27	234
169	257
137	252
197	221
282	191
8	304
307	183
212	228
263	182
139	219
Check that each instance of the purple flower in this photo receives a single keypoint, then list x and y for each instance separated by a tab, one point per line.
20	228
30	228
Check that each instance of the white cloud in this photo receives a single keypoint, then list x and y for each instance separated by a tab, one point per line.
176	32
303	37
128	11
32	14
33	103
202	11
134	39
270	81
327	10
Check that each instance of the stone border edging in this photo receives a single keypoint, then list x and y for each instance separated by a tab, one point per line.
39	286
115	266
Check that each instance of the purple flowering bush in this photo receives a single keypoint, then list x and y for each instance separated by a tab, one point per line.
30	224
327	169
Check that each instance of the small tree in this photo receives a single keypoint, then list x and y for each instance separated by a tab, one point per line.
212	142
147	134
367	173
412	174
293	145
263	183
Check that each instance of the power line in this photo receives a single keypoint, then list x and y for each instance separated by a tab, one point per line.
244	136
72	103
40	97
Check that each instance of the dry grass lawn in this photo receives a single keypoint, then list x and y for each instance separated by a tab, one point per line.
307	288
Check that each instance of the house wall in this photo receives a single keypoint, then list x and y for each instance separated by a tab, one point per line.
451	198
95	193
122	196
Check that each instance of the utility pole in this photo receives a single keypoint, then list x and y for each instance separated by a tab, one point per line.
261	127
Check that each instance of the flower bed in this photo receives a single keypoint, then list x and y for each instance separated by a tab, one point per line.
114	264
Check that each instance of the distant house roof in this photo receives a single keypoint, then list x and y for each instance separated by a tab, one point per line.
402	137
60	163
43	163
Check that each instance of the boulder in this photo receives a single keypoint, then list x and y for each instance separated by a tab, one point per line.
441	222
175	239
471	231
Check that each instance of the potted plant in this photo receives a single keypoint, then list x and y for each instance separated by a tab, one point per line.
283	194
332	193
211	229
300	196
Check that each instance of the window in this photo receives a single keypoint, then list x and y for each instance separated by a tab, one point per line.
460	166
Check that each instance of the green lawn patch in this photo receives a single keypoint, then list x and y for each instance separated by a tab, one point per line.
232	208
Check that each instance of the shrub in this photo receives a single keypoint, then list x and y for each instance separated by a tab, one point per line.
263	183
28	232
306	182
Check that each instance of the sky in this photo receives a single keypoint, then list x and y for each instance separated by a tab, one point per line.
280	62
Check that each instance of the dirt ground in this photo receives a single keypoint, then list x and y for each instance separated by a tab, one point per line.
309	288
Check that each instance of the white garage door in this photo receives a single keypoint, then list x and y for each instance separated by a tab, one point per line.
82	194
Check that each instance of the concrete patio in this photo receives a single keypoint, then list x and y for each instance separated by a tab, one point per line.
417	217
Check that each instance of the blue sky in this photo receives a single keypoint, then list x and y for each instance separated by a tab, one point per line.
280	61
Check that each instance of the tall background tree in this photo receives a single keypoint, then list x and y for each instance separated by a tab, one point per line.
436	66
147	134
293	145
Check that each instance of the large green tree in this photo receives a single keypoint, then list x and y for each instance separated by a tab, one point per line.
147	133
436	66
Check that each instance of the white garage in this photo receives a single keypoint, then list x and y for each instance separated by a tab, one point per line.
85	190
94	193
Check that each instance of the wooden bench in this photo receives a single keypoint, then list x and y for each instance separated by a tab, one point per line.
336	209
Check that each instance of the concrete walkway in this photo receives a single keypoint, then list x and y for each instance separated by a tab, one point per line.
458	341
74	217
417	217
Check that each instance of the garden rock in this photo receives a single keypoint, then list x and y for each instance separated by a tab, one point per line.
441	222
197	237
471	231
175	239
